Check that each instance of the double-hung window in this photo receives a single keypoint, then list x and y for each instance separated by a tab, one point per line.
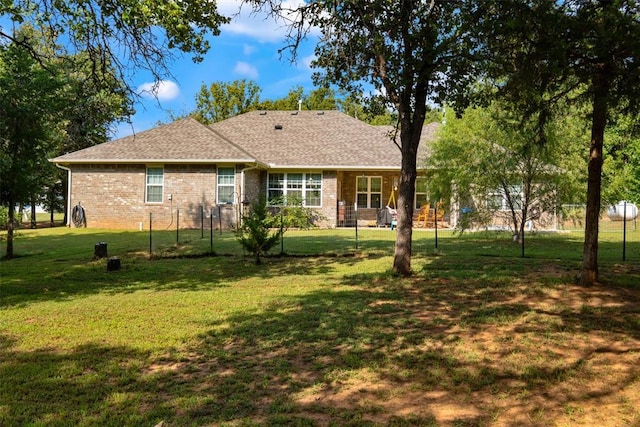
305	188
155	185
422	192
369	192
313	189
226	185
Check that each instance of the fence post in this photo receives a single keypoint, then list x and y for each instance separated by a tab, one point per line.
624	232
220	218
435	222
281	233
202	221
211	231
177	226
355	210
150	235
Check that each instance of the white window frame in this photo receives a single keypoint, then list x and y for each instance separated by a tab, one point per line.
154	184
369	193
418	193
503	204
306	187
220	185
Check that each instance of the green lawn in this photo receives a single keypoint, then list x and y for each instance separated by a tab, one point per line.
324	335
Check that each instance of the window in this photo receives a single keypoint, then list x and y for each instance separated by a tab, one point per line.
497	199
313	189
294	186
369	192
226	185
155	185
304	187
422	195
275	186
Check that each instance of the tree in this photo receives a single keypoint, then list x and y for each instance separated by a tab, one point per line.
370	109
223	100
321	98
118	36
621	173
28	106
48	109
588	51
254	233
288	102
402	48
498	167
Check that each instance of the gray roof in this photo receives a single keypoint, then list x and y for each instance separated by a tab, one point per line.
183	141
311	139
275	139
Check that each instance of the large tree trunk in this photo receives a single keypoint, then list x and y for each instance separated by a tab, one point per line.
589	274
404	233
410	132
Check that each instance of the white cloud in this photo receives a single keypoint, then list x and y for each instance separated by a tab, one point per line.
163	90
306	61
246	69
257	25
248	49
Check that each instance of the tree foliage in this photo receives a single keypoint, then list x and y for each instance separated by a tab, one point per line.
493	167
222	100
117	37
621	171
588	51
29	104
255	233
47	109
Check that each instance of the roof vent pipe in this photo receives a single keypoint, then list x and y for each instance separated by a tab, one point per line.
299	104
278	127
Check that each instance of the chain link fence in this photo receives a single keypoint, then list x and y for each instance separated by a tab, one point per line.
198	230
612	219
178	226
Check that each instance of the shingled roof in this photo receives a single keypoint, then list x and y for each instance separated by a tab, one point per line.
183	141
274	139
310	139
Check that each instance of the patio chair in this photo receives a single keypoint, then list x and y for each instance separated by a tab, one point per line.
423	216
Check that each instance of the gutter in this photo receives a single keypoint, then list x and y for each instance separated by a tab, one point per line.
68	224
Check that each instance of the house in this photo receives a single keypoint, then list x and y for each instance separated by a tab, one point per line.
327	159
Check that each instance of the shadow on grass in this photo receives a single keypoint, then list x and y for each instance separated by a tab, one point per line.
375	350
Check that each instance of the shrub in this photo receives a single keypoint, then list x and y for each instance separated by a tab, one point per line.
254	234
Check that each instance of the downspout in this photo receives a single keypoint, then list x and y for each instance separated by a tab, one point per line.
68	224
242	183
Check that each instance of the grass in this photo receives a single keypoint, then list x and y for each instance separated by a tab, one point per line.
324	336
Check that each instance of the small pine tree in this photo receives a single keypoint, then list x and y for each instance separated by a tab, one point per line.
254	234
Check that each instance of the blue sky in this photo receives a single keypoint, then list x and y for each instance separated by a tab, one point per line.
247	48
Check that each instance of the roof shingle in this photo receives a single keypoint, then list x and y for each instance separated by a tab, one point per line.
185	140
279	139
310	139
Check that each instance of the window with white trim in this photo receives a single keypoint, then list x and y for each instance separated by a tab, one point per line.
226	185
155	185
422	192
304	187
497	198
369	191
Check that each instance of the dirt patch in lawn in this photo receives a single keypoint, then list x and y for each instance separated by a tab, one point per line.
420	352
